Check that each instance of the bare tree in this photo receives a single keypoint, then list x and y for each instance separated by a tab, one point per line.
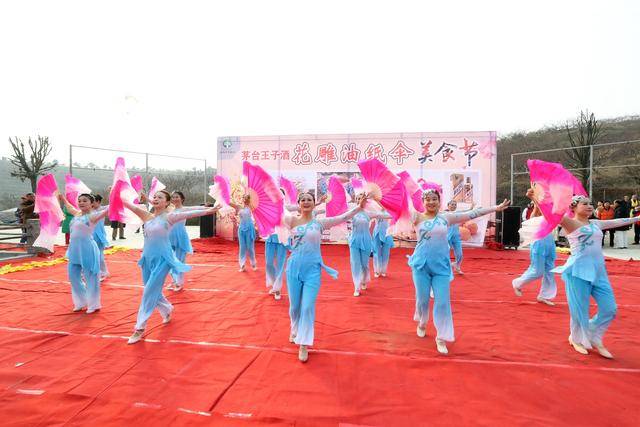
29	165
583	132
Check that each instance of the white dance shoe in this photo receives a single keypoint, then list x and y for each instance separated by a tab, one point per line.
578	347
303	354
602	350
356	293
137	336
167	319
241	269
546	301
77	309
277	296
376	275
292	338
421	332
441	346
516	287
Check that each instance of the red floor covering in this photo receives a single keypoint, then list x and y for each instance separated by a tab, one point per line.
225	357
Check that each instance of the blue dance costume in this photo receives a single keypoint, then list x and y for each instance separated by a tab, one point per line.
585	275
84	261
543	258
158	259
382	244
180	242
100	236
455	242
303	273
431	270
275	256
246	238
360	248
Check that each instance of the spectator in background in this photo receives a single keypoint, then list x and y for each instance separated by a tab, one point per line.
597	210
621	211
526	212
633	212
606	213
26	207
66	225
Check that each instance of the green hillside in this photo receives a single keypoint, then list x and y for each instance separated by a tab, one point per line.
612	182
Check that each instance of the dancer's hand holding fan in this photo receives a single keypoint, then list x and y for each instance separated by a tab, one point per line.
552	190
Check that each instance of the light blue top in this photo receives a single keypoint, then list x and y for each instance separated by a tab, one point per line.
360	237
380	232
246	220
305	243
178	236
82	248
432	250
587	260
100	236
157	246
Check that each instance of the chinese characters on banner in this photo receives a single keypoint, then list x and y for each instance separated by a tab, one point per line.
329	153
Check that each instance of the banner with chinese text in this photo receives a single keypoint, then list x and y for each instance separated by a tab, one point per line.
464	163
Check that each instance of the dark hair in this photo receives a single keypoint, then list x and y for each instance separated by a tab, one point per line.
98	198
179	193
306	192
88	196
607	201
167	196
430	191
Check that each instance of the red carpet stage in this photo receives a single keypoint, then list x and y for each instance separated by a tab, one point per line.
225	358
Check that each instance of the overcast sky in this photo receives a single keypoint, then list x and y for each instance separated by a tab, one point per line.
170	77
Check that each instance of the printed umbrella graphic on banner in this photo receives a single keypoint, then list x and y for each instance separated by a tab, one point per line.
414	191
336	197
73	187
385	187
553	188
121	191
220	191
265	198
290	190
48	208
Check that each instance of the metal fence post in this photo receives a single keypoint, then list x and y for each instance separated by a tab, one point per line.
511	195
591	171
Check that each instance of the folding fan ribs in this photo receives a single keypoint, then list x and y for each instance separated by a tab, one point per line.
553	187
385	187
266	200
289	190
337	197
220	191
414	192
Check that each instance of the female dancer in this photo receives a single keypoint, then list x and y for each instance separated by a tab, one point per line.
100	235
584	275
431	266
304	267
276	255
382	244
246	233
83	254
158	257
543	258
361	246
179	238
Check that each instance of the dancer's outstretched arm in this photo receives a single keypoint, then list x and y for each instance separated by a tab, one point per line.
456	218
143	214
606	224
335	220
174	217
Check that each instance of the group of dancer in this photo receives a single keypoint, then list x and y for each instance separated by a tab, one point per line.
167	244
